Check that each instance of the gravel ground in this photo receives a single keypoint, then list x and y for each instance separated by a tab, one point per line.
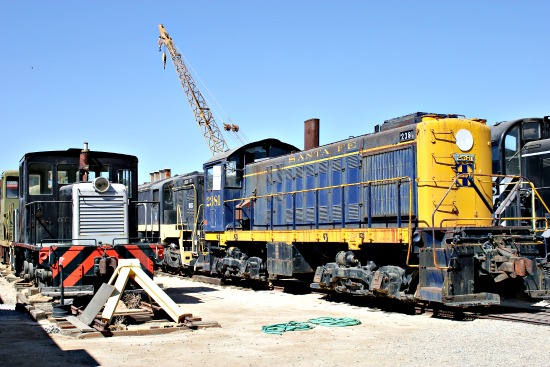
382	338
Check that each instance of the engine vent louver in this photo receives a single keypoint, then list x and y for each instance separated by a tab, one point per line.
101	215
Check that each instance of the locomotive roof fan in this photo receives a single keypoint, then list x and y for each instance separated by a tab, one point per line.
101	184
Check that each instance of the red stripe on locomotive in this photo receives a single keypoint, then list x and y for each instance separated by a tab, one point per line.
139	253
85	266
67	253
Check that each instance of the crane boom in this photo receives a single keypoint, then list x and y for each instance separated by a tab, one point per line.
210	131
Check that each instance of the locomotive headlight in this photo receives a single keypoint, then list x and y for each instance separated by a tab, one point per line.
101	184
464	140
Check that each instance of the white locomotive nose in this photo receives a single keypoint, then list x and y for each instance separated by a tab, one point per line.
101	184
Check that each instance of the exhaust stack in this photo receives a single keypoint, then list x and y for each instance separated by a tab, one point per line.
84	166
311	133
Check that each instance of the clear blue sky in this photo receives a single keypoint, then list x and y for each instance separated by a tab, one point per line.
75	71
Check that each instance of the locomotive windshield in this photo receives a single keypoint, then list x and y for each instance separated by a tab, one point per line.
511	152
506	149
233	174
40	178
67	174
531	131
12	183
124	176
213	178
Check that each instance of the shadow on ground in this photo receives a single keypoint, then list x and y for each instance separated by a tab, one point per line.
184	294
26	343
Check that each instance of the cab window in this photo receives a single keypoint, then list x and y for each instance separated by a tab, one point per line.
511	152
40	178
232	175
67	174
209	178
12	186
531	131
125	178
99	171
214	178
168	202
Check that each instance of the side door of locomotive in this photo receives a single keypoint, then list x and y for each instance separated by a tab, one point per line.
213	198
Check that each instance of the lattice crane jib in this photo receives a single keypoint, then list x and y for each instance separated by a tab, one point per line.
211	133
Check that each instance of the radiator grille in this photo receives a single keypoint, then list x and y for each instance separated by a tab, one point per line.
101	215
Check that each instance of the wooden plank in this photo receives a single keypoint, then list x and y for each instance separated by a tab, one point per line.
202	324
80	325
21	298
96	304
120	284
38	314
153	290
136	332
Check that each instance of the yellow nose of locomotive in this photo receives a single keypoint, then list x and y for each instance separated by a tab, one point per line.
454	168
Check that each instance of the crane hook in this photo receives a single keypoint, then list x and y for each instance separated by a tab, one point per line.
164	60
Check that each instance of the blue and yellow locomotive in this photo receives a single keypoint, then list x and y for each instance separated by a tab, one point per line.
405	212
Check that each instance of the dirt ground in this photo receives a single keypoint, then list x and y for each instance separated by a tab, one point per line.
382	339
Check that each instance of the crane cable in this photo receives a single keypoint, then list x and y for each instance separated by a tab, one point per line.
238	136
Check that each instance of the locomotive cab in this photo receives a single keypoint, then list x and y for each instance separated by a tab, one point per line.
517	148
224	183
225	209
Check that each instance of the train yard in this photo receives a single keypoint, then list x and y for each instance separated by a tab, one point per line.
349	219
428	234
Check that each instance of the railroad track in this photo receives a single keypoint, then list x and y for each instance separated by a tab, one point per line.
537	317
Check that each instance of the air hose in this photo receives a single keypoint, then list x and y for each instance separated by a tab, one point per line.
321	321
289	326
335	321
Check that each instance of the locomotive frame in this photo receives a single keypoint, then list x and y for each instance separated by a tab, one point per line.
77	216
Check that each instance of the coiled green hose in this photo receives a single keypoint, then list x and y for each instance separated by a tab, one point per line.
335	321
289	326
321	321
